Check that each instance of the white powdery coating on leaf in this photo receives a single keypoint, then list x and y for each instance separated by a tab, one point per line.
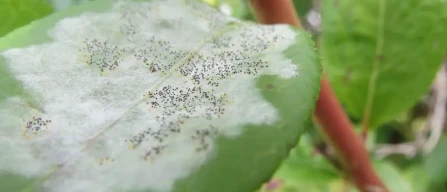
103	67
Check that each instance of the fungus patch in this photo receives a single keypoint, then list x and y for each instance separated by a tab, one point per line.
140	91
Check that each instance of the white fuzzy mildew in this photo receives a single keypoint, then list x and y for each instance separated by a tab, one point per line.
133	98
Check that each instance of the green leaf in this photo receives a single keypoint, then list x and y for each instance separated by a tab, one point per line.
17	13
11	182
302	7
237	8
393	178
152	96
304	170
436	163
381	56
417	177
64	4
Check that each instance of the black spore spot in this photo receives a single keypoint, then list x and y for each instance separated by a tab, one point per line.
36	125
102	54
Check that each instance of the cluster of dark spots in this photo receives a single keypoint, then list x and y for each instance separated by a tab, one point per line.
222	42
176	105
254	38
239	52
151	153
128	30
221	65
158	55
136	140
185	102
230	56
36	124
105	160
234	63
172	127
103	55
247	39
204	137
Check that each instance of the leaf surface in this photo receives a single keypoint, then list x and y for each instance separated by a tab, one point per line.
17	13
435	164
381	56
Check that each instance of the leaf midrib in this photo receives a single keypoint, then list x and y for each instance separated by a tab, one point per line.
378	59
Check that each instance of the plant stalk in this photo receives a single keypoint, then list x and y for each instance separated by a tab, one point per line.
334	122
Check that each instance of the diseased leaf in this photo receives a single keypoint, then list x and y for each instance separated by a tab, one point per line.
381	56
152	96
16	13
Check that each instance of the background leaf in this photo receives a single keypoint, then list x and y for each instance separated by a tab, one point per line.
302	7
392	176
304	170
436	164
16	13
418	178
64	4
69	69
385	53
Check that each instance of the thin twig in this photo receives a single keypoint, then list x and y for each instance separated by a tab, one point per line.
409	150
437	120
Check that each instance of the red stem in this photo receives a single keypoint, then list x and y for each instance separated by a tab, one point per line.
335	123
